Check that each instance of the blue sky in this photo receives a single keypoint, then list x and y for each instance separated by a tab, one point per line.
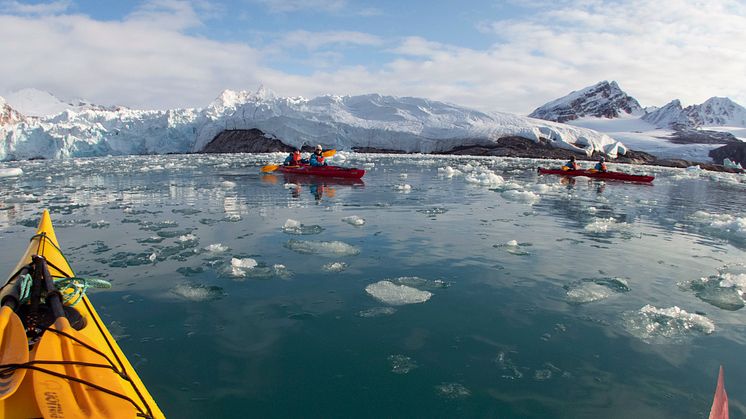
509	56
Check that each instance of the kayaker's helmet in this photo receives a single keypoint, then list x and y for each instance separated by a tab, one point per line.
296	151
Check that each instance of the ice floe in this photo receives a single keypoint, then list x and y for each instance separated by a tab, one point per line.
334	248
354	220
198	292
216	248
653	325
334	267
449	171
521	196
401	364
725	225
606	225
11	172
724	290
453	390
594	289
393	294
296	227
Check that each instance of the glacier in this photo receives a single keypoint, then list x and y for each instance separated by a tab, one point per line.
409	124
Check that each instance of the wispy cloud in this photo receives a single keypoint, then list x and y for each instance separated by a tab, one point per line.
286	6
50	8
657	51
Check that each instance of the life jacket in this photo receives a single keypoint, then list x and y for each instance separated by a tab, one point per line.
295	159
601	167
317	159
572	165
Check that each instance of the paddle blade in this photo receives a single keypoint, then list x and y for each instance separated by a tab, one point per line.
269	168
719	408
329	153
13	350
61	397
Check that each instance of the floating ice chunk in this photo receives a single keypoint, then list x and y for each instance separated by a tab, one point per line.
521	196
725	290
377	312
187	238
542	375
513	243
246	263
449	171
401	364
587	292
354	220
335	248
453	390
99	224
295	227
606	225
654	324
239	267
11	172
404	187
726	225
390	293
485	179
198	292
334	267
730	164
227	184
369	165
216	248
153	256
291	186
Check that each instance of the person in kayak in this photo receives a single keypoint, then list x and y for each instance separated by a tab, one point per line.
317	158
570	165
601	165
293	159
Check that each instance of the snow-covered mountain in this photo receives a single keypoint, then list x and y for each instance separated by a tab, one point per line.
343	122
604	100
39	103
670	131
714	112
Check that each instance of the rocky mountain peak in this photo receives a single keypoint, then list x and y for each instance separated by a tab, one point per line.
8	115
603	100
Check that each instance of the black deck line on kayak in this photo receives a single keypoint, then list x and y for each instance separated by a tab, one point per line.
121	364
30	366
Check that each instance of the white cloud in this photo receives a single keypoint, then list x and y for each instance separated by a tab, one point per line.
16	7
657	51
285	6
316	40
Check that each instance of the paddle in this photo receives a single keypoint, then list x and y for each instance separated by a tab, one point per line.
13	340
70	374
272	167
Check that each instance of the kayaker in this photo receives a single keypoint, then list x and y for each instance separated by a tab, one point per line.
570	165
317	158
293	159
601	165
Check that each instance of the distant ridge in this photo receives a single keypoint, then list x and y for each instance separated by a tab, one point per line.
604	99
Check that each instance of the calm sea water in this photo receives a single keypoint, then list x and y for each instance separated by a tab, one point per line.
237	294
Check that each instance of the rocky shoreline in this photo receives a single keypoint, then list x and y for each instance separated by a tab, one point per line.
255	141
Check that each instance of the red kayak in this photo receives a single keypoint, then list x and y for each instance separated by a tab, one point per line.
597	175
326	171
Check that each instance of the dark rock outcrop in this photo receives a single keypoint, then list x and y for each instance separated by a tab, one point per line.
736	152
244	141
684	135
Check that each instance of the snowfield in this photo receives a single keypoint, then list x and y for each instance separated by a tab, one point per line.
343	122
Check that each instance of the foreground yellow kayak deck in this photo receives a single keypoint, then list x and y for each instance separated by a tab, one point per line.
60	362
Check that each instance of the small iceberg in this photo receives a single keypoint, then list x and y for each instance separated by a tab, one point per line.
334	248
396	295
652	324
295	227
11	172
354	220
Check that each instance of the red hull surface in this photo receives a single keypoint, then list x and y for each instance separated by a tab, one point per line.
598	175
326	171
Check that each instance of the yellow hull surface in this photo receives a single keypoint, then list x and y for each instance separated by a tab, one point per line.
75	371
